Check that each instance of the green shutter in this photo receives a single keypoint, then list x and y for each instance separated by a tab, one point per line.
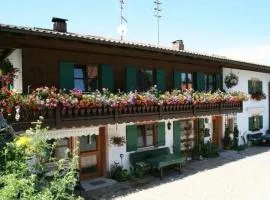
200	81
176	137
107	76
177	78
66	75
131	137
131	78
260	87
160	79
261	121
219	81
250	123
161	134
201	123
249	86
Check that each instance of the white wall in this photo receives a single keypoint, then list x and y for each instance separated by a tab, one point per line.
113	153
250	107
16	59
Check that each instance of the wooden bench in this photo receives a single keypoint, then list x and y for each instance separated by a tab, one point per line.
156	158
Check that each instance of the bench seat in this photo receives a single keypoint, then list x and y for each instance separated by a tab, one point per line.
156	158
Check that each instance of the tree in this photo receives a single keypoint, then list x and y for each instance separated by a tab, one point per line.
25	174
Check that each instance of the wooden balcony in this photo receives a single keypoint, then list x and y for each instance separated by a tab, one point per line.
59	117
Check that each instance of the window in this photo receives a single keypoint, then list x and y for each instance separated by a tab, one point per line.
61	148
210	82
86	77
146	135
88	143
255	123
145	79
186	81
254	86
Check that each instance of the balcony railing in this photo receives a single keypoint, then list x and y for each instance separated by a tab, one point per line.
72	117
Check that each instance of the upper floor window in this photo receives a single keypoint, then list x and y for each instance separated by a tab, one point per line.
186	81
210	82
145	79
85	77
254	86
146	135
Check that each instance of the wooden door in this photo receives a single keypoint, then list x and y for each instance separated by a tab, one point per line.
217	130
92	155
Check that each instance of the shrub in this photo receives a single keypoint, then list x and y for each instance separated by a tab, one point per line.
22	179
227	139
118	173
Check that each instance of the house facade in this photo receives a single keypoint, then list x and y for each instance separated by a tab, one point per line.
66	60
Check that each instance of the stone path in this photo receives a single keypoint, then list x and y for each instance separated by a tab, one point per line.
244	175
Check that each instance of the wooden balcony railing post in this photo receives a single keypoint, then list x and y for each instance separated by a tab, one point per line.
58	115
116	113
160	111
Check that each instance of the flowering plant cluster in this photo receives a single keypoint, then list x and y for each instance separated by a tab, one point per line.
231	80
258	96
50	98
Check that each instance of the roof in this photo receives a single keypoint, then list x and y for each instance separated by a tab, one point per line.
129	44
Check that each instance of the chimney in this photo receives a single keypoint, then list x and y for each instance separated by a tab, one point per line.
59	24
178	45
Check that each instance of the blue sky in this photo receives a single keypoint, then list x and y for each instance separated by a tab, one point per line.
234	28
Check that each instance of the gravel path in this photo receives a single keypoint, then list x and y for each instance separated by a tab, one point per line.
243	178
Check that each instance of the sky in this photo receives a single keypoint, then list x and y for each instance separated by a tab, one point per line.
238	29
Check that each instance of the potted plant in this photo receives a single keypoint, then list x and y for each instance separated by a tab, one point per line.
118	140
231	80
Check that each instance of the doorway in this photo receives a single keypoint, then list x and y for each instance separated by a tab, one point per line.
217	130
92	155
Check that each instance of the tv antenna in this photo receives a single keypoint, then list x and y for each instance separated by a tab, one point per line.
157	14
122	29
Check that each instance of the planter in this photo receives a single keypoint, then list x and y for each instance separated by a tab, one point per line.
118	140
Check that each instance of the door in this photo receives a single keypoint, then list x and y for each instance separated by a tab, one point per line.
92	155
217	130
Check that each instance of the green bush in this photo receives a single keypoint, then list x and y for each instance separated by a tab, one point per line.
118	173
227	139
235	138
21	179
207	150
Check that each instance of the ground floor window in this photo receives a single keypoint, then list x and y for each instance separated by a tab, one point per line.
146	135
255	123
61	148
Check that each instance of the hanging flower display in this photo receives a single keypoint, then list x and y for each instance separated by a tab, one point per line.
231	80
118	140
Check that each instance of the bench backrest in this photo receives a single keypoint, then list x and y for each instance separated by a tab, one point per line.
143	155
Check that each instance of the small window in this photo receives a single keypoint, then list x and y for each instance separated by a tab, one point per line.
61	147
146	135
255	86
186	81
255	123
210	82
145	79
86	78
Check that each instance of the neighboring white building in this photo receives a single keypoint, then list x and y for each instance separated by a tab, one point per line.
255	113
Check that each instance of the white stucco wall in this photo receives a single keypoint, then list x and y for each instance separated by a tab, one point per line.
113	153
16	59
250	107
